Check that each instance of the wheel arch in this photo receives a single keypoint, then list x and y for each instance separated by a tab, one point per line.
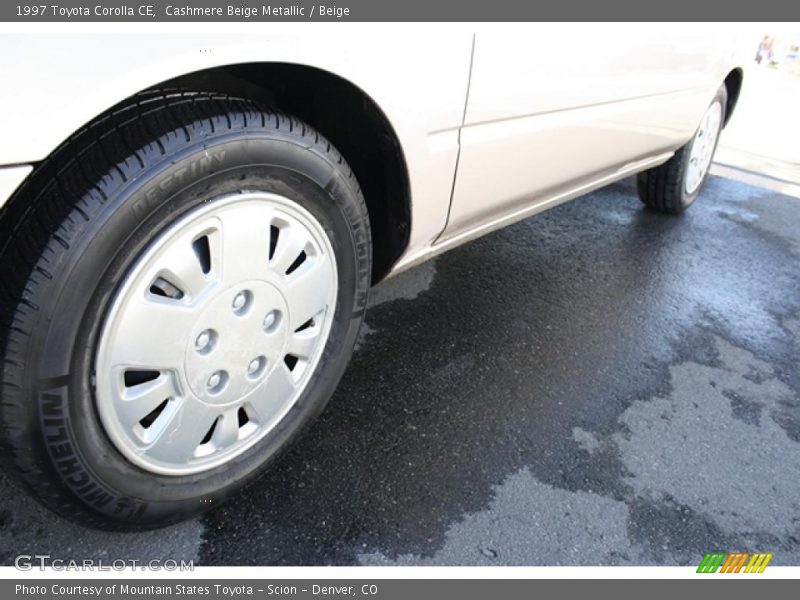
733	85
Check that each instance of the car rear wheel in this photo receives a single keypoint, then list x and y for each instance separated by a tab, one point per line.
672	187
185	283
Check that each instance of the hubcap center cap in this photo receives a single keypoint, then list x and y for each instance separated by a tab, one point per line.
243	352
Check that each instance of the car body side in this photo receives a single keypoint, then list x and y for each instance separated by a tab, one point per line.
490	128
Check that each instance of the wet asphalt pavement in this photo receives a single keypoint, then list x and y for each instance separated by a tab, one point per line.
598	384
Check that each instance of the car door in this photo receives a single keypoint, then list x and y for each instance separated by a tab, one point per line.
555	108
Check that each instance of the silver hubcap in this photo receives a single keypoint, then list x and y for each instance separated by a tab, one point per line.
215	332
703	145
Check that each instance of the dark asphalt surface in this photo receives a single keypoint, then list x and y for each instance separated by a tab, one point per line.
595	385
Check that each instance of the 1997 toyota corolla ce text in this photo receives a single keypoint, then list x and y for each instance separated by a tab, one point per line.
190	225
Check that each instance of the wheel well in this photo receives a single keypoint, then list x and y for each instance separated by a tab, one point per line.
733	85
350	120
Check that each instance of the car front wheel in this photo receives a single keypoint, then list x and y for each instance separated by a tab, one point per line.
185	281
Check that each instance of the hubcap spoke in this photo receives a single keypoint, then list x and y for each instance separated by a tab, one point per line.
304	343
140	400
308	293
181	266
226	433
245	246
292	240
151	333
180	437
279	384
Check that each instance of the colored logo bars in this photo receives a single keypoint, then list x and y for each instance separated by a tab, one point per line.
734	563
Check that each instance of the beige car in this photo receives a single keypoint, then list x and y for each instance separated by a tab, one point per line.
190	227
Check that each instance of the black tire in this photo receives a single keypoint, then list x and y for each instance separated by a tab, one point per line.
75	227
663	188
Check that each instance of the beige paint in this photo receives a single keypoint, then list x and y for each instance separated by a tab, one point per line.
570	107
